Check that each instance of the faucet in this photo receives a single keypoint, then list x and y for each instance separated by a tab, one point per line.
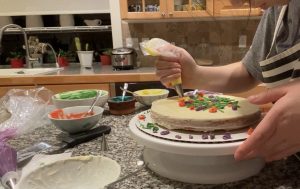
28	59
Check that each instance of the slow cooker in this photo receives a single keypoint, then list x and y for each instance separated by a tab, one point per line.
124	58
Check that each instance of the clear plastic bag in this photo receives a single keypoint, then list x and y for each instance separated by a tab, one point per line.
151	48
28	109
154	47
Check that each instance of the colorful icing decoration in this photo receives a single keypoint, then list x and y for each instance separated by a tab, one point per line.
166	132
227	136
204	136
178	136
250	131
150	126
212	103
212	136
141	117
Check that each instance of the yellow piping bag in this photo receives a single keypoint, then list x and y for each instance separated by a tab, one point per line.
150	48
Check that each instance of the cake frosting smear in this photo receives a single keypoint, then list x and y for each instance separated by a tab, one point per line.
205	112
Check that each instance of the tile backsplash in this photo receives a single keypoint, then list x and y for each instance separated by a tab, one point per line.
209	42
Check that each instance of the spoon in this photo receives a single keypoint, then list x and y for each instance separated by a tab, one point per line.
141	165
93	104
126	90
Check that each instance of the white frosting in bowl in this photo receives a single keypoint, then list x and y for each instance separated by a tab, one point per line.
92	172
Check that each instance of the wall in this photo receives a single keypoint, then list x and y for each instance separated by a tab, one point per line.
210	42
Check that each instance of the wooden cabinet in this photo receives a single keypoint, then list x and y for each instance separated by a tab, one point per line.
165	9
176	9
224	8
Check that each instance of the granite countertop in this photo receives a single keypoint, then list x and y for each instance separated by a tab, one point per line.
284	174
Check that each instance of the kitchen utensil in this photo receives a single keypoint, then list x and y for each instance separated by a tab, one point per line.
128	91
8	166
202	162
79	172
124	58
80	101
77	43
124	91
148	96
104	146
70	119
151	47
93	104
140	163
86	58
25	154
67	141
119	107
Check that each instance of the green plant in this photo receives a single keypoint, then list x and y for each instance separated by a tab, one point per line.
17	54
107	52
62	53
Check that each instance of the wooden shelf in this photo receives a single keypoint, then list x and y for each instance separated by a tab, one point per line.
104	28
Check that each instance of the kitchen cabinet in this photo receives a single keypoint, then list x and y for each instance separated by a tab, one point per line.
224	8
165	9
176	9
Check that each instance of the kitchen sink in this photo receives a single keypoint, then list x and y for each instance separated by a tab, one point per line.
27	71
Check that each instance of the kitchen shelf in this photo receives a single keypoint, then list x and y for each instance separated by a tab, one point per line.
104	28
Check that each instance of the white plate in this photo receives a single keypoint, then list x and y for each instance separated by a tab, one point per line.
187	136
93	172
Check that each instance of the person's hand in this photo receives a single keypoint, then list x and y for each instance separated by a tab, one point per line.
181	65
278	135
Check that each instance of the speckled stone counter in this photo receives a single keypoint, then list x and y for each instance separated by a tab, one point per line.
283	174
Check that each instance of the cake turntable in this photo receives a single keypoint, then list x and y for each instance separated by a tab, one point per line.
192	157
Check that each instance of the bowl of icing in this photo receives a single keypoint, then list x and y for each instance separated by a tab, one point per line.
92	172
121	106
147	96
79	98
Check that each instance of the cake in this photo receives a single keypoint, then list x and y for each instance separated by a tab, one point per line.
204	112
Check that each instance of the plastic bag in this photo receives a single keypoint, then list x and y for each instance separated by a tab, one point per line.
152	48
28	109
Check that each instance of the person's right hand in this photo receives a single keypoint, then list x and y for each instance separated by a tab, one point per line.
182	65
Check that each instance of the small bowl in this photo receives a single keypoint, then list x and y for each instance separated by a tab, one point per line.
63	103
147	96
80	124
119	107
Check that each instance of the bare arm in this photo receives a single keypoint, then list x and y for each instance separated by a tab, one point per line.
229	78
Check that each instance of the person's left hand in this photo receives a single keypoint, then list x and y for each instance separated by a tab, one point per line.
278	135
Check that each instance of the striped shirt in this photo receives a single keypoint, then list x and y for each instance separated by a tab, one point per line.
288	36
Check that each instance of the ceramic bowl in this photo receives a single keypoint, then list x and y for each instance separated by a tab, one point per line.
147	96
76	125
63	103
119	106
71	172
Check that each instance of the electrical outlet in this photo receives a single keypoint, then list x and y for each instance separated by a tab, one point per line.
243	41
129	42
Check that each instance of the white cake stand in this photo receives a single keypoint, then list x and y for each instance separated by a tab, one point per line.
193	162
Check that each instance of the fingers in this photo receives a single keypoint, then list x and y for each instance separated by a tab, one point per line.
283	153
170	52
265	129
167	71
270	95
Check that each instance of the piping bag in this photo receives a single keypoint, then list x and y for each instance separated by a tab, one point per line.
151	48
